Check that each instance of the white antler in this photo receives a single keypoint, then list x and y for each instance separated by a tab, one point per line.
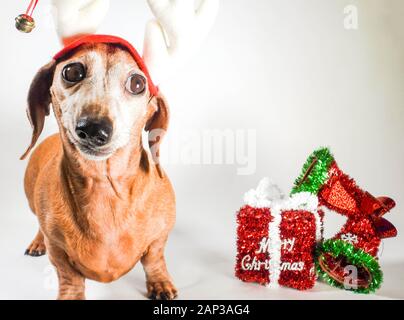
75	17
176	32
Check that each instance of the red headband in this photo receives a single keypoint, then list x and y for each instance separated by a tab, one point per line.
95	38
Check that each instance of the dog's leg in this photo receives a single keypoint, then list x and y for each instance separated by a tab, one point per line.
71	282
37	247
158	281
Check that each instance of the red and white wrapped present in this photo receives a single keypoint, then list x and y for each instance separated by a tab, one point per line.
277	237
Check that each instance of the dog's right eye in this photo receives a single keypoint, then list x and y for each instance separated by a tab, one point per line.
74	72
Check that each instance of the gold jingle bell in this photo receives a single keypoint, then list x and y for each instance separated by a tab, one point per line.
24	23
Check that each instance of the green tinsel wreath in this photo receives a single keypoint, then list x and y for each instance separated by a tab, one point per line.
357	257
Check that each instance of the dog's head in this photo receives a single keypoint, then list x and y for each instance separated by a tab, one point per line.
102	97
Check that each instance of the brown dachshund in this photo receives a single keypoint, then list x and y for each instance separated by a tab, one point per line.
102	201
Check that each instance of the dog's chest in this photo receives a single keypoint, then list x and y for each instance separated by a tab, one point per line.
116	230
114	243
108	258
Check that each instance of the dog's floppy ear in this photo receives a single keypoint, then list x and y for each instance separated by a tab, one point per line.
157	127
39	99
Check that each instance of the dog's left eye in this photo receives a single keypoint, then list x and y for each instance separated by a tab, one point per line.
136	84
74	72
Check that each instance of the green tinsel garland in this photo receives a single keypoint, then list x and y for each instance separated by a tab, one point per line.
354	256
319	162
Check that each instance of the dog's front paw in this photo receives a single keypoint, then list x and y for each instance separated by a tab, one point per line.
161	290
36	248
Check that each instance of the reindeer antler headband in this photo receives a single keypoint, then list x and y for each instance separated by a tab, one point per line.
175	33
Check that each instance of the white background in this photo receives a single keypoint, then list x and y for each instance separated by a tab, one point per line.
287	69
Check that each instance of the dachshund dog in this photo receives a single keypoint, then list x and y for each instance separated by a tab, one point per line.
102	201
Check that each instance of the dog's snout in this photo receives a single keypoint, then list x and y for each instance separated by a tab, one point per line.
94	131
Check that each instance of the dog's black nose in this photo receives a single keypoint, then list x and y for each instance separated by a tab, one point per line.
94	131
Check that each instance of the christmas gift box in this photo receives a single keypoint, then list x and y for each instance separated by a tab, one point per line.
349	259
276	238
